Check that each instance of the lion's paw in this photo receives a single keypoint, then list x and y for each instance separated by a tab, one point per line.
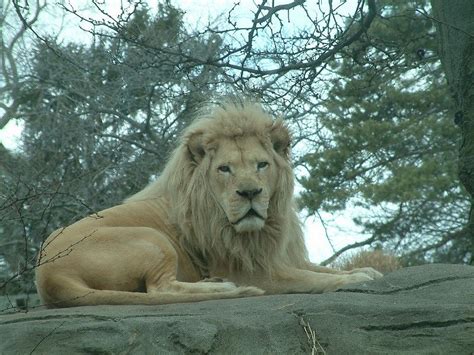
212	287
225	286
246	291
374	274
358	277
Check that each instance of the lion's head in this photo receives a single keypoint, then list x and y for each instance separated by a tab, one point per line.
243	164
242	178
230	185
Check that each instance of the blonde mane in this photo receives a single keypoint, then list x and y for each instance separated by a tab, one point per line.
205	232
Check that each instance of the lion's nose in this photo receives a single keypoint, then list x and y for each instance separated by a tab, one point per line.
250	194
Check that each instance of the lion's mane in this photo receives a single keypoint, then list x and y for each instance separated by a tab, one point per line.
205	231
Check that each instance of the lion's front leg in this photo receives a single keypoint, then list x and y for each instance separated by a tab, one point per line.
304	281
366	270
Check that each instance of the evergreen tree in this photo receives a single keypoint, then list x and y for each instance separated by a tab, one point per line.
389	143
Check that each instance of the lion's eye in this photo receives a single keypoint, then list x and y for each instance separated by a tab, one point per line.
262	165
224	168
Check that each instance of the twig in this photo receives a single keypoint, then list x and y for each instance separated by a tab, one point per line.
47	336
346	248
326	231
316	347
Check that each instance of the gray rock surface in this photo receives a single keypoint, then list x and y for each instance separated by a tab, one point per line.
420	310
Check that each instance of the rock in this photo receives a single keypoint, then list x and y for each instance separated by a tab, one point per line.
419	310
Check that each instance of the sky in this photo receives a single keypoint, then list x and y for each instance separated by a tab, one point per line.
338	227
10	134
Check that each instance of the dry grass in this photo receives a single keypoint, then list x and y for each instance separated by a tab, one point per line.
376	259
316	347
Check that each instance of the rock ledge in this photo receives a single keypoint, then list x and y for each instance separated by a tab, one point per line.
420	310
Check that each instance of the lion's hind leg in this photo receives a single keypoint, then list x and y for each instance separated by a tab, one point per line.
71	293
87	296
142	259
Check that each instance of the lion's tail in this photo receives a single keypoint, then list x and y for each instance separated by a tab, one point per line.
83	296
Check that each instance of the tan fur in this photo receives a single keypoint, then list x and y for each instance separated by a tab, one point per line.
221	209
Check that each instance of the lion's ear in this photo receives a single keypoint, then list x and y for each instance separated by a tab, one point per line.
280	137
195	145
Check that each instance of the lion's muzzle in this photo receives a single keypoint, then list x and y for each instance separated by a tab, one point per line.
250	194
251	219
251	213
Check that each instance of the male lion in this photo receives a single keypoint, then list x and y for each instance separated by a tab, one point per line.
220	215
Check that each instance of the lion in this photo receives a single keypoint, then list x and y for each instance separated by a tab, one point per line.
219	222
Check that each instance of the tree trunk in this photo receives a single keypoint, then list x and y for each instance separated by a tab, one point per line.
455	26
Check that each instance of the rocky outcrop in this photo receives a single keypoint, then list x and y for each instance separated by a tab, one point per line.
420	310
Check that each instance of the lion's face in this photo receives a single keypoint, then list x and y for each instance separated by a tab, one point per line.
243	178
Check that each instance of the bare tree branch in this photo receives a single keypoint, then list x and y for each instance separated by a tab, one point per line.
329	260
